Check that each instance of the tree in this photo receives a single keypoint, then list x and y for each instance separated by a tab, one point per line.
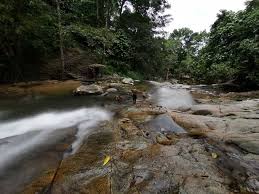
25	28
232	49
183	48
61	45
139	21
33	32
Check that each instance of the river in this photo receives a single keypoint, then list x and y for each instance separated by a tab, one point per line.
32	127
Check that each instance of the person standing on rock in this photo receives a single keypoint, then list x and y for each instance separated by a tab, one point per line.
134	96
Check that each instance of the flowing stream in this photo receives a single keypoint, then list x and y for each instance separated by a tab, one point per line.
32	128
45	124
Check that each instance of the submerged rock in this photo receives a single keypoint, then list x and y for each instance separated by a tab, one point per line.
165	124
88	90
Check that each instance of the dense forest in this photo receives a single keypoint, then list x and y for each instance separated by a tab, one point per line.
46	39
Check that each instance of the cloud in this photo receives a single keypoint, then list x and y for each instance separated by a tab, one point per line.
199	14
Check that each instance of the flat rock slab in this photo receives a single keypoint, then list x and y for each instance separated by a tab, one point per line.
88	90
164	123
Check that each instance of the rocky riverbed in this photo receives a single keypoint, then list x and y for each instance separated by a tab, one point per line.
181	139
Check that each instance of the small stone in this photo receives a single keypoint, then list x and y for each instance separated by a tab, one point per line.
163	140
125	120
214	155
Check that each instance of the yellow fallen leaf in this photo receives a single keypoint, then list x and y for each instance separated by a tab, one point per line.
214	155
106	160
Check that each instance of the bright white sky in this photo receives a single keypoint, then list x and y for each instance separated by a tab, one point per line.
199	15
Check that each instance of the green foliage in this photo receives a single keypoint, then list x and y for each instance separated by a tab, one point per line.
229	52
135	75
120	32
27	34
182	51
92	38
124	34
233	46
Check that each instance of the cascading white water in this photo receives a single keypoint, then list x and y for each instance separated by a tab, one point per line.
45	124
172	96
95	116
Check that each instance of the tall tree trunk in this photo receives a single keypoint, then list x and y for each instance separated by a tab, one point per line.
257	54
18	59
97	11
167	74
61	45
107	16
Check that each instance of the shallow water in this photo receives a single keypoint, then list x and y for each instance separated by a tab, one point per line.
172	96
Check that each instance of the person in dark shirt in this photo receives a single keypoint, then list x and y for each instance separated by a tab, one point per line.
134	96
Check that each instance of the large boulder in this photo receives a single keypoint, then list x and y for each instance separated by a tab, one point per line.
128	81
111	90
88	90
206	109
198	123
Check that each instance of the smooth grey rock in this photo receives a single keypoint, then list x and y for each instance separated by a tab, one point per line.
111	90
88	89
128	81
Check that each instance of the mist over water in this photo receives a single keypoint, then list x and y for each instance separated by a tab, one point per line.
172	96
95	117
42	127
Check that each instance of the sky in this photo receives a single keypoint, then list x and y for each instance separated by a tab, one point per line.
199	15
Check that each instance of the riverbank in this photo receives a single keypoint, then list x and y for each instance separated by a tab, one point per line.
48	87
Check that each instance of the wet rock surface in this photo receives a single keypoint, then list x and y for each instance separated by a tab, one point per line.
231	129
210	146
